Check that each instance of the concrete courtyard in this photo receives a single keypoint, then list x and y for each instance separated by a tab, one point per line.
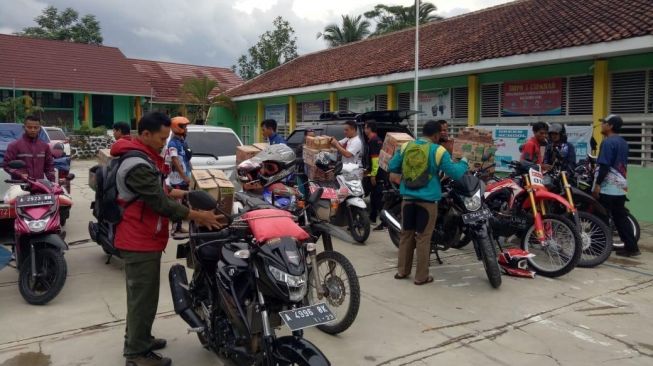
588	317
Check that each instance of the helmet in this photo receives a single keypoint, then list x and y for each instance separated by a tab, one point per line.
178	125
556	128
58	150
324	160
514	262
277	162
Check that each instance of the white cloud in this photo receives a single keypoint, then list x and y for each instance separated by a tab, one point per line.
158	35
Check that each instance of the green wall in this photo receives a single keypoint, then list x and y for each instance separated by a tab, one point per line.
639	193
123	109
631	62
546	71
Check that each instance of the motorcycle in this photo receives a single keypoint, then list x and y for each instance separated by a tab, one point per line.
39	242
62	169
461	209
250	278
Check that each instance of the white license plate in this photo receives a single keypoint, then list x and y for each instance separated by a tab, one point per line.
307	316
537	178
35	200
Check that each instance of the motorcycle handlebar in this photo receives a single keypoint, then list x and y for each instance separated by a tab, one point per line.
216	235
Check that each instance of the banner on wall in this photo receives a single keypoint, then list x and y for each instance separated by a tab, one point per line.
532	97
362	104
508	139
433	104
311	110
276	112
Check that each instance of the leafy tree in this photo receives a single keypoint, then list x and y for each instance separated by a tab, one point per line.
353	29
273	49
16	109
393	18
197	91
65	26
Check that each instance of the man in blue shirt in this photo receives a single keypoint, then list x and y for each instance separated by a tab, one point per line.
179	153
269	129
611	185
419	208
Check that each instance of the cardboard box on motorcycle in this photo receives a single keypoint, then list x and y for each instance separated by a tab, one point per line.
216	183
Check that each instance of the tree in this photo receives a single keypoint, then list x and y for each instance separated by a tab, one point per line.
65	26
273	49
353	29
16	109
197	91
393	18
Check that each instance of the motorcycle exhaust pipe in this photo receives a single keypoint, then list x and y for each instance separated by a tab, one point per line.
181	298
390	220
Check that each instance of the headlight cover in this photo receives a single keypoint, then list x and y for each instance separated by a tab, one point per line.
356	188
37	225
296	284
474	202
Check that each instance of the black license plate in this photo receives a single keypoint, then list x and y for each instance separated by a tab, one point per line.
472	217
35	200
308	316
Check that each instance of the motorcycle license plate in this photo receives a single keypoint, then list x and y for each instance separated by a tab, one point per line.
35	200
472	217
537	178
307	316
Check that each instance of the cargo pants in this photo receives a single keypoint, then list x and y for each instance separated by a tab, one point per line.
418	221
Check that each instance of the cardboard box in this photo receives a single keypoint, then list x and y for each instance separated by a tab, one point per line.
103	156
216	183
261	145
393	140
245	152
384	160
474	144
318	142
309	154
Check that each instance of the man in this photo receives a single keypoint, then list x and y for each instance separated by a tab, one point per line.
121	130
33	151
142	235
419	206
178	151
444	136
559	149
351	147
376	176
611	184
269	129
532	149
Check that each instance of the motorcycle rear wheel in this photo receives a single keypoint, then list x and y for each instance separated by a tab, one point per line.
551	260
597	240
616	240
52	269
359	224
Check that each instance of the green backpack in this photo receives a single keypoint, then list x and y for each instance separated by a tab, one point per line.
415	166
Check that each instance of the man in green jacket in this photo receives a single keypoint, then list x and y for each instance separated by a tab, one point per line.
419	208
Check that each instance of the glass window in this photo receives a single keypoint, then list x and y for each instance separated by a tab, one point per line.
55	134
212	143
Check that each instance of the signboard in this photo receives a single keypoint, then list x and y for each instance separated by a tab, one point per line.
361	104
311	110
532	97
580	137
434	104
276	112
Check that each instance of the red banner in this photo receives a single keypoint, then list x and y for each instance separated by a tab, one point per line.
532	97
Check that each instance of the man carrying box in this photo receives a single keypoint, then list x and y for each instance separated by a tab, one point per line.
351	147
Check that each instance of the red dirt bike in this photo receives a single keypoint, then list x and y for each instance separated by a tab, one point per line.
519	204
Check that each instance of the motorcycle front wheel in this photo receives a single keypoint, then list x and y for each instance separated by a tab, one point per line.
489	257
341	289
51	272
561	249
359	224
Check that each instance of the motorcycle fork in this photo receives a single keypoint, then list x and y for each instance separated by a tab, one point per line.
316	273
32	259
539	226
570	198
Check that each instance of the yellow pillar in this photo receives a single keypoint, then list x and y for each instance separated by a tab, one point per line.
601	88
473	97
138	110
260	115
87	110
292	113
391	92
333	102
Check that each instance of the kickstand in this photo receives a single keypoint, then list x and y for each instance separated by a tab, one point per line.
437	256
108	259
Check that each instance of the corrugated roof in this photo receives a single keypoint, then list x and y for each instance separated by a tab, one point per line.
65	66
516	28
166	77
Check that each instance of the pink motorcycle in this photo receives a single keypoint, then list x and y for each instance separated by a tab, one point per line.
39	241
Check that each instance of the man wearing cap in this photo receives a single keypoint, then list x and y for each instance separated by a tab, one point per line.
179	154
611	185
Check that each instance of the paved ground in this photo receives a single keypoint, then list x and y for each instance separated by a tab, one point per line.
589	317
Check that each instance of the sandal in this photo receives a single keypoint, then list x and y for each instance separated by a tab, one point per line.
429	279
400	277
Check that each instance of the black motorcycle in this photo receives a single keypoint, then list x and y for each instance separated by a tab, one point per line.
243	289
460	211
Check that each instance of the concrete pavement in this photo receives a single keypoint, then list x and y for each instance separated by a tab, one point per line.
602	315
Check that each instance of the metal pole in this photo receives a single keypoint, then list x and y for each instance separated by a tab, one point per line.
151	97
14	102
415	92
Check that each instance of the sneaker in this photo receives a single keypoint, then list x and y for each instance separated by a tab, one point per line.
178	235
628	253
158	343
380	227
148	359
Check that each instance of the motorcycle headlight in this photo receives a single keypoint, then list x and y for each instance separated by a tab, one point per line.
297	286
37	225
474	202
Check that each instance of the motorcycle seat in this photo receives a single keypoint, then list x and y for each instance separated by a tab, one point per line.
228	256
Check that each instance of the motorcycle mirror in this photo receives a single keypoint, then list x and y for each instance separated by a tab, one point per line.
338	168
315	196
16	164
70	176
201	200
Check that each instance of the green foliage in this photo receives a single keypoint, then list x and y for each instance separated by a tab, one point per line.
16	109
65	26
393	18
273	48
353	29
84	130
198	92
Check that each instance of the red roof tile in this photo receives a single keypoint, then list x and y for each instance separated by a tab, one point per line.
520	27
56	65
166	77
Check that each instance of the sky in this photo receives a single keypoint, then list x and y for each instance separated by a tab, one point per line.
207	32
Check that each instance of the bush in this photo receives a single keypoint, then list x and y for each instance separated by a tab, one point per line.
95	131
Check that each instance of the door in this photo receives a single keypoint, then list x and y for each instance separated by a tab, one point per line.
102	110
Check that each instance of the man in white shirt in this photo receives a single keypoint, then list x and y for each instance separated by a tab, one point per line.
351	147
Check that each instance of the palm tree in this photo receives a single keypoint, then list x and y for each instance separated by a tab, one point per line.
197	91
394	18
353	29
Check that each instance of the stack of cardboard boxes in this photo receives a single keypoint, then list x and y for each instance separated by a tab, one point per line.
474	144
313	146
216	183
392	142
245	152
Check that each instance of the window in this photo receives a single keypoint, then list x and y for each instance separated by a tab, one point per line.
628	92
460	102
55	134
404	101
343	104
213	143
299	112
52	100
244	134
580	95
491	100
381	102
